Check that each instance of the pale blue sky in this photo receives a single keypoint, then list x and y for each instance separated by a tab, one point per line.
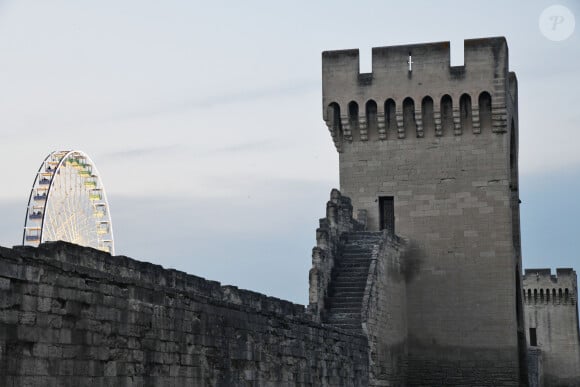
205	121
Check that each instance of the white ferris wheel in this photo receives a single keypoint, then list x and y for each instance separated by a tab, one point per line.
68	202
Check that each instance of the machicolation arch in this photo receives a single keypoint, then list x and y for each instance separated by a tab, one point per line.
424	117
559	296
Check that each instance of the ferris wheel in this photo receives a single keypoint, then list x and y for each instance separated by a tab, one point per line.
68	202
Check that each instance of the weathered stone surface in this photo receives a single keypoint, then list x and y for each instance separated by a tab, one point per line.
72	316
384	313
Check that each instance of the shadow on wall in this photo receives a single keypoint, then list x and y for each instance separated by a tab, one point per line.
412	260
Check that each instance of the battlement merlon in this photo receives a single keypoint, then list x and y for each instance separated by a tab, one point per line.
544	276
485	68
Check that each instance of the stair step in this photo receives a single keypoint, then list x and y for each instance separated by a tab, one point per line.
350	273
349	286
357	267
363	234
344	322
349	328
346	281
357	250
345	309
337	297
347	256
349	277
346	299
354	258
349	293
345	316
345	302
350	319
359	245
349	283
361	272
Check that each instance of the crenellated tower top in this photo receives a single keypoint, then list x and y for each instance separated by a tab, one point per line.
413	91
541	286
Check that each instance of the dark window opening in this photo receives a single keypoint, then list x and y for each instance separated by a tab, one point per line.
387	214
409	122
390	119
485	111
372	124
447	125
428	119
533	338
465	113
353	120
335	123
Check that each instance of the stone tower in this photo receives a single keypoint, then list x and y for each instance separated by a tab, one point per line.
551	311
430	152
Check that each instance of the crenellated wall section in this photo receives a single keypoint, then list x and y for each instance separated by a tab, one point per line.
425	99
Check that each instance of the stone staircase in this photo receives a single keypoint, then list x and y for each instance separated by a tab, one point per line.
348	281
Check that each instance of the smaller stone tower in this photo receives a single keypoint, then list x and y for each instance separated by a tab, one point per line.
551	310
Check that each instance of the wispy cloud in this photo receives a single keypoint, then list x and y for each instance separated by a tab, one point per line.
295	87
143	152
249	146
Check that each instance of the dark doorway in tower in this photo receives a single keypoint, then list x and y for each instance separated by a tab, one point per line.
533	339
387	214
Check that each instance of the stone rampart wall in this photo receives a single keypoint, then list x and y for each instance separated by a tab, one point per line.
73	316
